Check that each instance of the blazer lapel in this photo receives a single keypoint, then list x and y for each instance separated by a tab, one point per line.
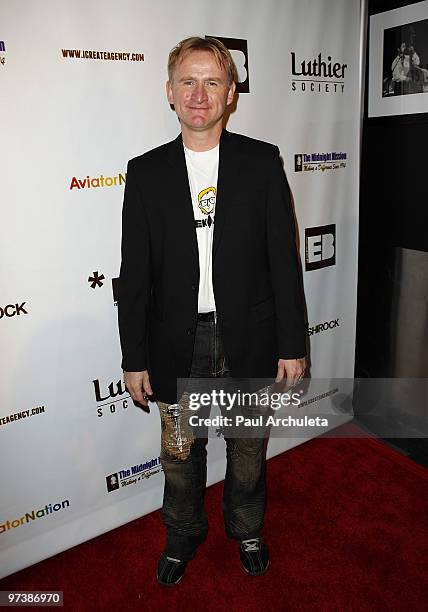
182	195
225	183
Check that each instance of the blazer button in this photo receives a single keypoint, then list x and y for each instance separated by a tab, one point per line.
190	332
194	287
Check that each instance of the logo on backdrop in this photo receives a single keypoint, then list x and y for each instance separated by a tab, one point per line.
133	474
2	50
321	75
319	162
321	327
96	280
98	181
110	398
112	482
109	56
23	414
320	247
318	397
239	51
33	515
13	310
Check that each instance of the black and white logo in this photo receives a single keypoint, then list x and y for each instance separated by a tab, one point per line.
321	327
112	482
239	51
321	74
110	398
320	161
96	280
13	310
133	474
320	247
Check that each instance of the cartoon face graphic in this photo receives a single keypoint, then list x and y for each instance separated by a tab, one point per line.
206	200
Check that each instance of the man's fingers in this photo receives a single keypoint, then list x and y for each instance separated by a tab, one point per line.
148	389
292	369
291	379
139	396
146	384
138	385
137	393
293	376
280	373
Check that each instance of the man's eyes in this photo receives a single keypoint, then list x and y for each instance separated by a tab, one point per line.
209	83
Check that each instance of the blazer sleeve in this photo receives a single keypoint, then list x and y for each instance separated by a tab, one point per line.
284	265
135	277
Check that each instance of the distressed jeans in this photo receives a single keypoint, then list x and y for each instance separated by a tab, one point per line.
184	462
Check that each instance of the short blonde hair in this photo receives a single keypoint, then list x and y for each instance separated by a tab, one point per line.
212	45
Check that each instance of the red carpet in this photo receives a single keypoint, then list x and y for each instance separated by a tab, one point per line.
346	523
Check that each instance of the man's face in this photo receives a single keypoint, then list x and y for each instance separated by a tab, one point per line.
200	91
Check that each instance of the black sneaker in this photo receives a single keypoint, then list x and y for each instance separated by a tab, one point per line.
170	571
254	556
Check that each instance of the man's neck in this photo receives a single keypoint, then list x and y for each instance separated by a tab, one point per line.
201	141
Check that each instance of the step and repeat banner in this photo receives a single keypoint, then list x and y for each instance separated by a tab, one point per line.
82	91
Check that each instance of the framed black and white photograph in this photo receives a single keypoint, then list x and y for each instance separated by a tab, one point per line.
398	61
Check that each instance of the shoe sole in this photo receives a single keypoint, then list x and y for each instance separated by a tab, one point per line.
169	584
256	573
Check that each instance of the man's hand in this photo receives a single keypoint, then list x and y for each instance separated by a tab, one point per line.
138	385
291	369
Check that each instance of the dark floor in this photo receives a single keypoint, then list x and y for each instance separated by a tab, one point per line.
413	448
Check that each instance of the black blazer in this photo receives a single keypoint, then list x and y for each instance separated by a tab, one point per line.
256	281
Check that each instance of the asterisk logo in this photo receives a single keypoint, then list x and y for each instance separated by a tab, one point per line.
96	280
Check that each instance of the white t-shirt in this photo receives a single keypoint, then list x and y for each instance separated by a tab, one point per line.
202	170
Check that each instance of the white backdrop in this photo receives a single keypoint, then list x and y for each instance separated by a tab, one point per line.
66	424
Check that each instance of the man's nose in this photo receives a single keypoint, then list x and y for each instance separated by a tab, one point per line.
200	93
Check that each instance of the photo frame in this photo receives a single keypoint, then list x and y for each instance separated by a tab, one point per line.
398	61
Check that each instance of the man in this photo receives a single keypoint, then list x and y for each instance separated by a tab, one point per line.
209	287
406	74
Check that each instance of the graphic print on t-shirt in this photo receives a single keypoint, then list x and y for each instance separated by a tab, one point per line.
202	170
206	200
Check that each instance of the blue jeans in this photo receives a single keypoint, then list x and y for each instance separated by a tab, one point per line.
184	463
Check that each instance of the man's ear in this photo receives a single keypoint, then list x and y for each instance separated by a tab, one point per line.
231	93
169	92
